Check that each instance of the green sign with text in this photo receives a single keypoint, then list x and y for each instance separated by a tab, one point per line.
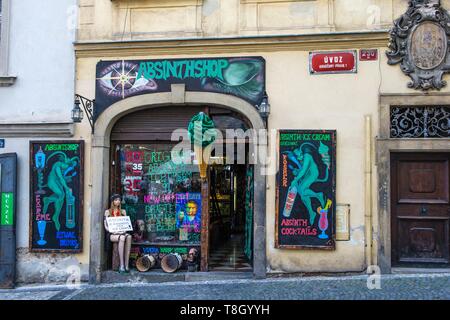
7	209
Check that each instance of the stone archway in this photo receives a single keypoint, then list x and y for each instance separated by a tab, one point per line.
100	152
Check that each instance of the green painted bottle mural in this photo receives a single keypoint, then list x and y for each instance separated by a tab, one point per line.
70	210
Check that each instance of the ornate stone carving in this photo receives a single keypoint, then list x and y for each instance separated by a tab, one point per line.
420	42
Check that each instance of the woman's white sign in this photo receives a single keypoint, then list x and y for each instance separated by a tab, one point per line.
119	224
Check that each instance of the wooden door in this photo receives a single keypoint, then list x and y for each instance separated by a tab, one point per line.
420	208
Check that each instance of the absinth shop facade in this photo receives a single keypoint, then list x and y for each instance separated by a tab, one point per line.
298	100
160	97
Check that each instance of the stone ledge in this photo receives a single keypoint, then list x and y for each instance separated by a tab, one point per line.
217	275
226	45
142	277
44	129
408	270
159	276
7	81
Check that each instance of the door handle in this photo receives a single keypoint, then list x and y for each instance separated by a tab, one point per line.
423	211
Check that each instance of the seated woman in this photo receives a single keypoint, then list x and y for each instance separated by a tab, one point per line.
123	239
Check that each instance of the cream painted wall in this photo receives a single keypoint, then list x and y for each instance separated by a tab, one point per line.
337	102
298	99
324	102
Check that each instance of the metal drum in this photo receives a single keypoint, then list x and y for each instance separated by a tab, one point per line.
171	262
145	263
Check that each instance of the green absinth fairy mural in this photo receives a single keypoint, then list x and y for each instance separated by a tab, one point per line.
56	195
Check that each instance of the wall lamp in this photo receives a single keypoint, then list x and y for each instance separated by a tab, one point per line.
264	108
88	106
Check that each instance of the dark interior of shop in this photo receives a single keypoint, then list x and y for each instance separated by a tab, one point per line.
230	226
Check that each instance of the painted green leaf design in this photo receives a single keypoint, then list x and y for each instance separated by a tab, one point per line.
240	79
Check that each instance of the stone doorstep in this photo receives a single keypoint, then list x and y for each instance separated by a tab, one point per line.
155	276
218	275
419	270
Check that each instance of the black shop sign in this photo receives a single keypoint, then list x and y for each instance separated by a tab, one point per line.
56	196
306	188
243	77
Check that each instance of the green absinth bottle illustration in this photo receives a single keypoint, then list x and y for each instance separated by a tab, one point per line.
70	210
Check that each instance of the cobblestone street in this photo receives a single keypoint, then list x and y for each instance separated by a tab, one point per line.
393	287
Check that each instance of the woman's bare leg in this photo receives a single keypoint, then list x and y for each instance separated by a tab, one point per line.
121	252
127	251
121	242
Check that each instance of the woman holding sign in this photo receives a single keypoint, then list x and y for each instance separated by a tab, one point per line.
123	239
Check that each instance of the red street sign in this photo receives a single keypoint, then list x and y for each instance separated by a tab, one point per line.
368	54
332	62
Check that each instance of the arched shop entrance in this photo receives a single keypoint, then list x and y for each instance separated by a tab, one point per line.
158	193
132	140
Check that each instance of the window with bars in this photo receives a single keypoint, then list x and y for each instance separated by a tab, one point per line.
420	122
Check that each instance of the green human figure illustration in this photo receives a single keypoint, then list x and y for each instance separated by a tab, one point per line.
307	174
57	182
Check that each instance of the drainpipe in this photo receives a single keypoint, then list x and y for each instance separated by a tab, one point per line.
368	190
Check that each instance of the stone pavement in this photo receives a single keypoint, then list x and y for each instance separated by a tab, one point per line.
393	287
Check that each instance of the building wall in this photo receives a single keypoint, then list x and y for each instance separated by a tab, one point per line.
105	20
41	56
299	100
303	101
37	107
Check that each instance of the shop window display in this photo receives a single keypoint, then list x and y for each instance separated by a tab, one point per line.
162	198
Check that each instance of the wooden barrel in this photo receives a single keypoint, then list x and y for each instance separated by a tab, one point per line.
145	263
171	262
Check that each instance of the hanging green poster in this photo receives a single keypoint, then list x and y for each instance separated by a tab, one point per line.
306	185
56	195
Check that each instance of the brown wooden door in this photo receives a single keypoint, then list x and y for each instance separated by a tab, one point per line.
420	208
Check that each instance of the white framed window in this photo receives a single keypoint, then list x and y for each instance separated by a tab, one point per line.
5	78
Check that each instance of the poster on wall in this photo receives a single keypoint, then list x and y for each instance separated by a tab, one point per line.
306	188
243	77
56	195
189	216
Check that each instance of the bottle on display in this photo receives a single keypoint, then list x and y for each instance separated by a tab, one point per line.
70	210
290	199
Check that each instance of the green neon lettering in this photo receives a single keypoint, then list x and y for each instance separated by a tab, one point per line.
171	69
159	71
189	73
223	64
198	68
182	69
142	71
150	71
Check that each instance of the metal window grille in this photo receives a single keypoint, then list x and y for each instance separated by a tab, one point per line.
420	122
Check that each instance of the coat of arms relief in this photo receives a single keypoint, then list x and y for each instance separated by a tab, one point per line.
420	42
